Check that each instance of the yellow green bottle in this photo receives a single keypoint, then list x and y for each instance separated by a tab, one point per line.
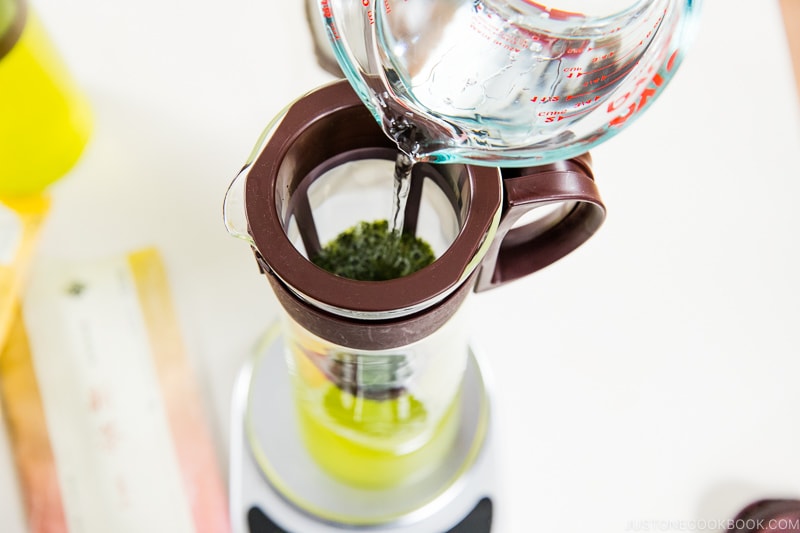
44	120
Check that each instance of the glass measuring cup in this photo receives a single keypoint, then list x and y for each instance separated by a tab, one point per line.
506	82
377	366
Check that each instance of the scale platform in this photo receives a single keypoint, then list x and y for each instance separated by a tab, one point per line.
276	487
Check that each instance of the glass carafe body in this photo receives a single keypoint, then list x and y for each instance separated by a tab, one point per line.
378	418
377	366
388	415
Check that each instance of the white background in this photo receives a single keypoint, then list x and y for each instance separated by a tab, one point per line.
653	375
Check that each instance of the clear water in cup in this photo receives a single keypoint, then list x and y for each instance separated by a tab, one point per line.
508	82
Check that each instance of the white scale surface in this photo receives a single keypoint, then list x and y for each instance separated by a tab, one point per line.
265	433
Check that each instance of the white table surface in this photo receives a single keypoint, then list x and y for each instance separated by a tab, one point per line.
652	376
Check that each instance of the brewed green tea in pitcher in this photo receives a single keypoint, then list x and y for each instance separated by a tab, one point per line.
374	330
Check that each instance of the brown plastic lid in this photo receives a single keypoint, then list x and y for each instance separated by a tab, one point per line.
330	126
324	128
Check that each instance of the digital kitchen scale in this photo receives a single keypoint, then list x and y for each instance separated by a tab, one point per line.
276	487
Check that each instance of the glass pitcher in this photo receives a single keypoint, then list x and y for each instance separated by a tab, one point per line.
377	366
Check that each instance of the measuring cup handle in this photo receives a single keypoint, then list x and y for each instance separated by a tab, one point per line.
576	212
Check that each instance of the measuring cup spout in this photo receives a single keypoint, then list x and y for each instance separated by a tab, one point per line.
233	208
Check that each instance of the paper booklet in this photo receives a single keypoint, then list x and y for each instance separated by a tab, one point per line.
106	423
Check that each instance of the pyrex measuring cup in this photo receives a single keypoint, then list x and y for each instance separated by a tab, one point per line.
506	82
377	365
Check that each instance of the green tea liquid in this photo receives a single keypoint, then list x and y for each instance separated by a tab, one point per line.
357	417
371	443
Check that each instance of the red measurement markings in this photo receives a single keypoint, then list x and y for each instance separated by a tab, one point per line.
576	51
619	59
585	103
545	99
555	99
634	107
555	14
577	113
604	81
554	118
371	14
485	25
558	116
506	40
326	9
328	14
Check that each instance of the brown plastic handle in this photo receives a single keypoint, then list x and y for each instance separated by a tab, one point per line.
519	251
